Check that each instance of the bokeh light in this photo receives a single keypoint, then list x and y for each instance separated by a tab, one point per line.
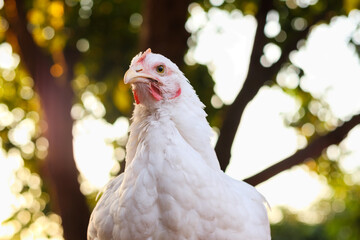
83	45
8	59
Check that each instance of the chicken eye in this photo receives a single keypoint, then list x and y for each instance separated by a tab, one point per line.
160	69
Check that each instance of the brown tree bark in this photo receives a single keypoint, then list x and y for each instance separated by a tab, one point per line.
256	78
56	99
163	28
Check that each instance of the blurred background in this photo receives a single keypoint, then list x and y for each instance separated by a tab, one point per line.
280	80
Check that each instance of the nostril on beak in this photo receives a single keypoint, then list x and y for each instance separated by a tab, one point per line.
138	70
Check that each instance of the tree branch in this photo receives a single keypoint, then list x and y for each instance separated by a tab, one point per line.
163	29
313	150
292	43
257	77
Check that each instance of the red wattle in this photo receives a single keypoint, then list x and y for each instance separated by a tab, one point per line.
155	92
136	97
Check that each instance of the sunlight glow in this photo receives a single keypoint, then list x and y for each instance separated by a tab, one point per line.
288	77
6	117
350	162
8	59
272	52
216	3
22	133
94	150
272	26
263	125
9	164
296	189
228	66
93	104
94	153
335	78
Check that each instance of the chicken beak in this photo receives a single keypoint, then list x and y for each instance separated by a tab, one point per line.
132	76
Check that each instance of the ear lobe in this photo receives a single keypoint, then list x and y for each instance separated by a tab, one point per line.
178	93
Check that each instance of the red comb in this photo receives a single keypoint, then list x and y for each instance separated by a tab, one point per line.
142	57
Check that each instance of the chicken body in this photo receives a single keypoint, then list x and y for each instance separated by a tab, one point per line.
172	186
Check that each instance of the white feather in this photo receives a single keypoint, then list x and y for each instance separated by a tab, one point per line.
172	187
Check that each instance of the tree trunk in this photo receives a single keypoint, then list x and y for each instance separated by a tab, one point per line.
163	28
60	164
56	98
255	79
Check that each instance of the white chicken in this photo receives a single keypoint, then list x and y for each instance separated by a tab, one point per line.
172	186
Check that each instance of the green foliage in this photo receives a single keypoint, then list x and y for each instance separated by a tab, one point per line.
291	228
342	215
343	221
108	25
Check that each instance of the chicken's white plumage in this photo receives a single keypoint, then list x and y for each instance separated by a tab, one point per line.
172	186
